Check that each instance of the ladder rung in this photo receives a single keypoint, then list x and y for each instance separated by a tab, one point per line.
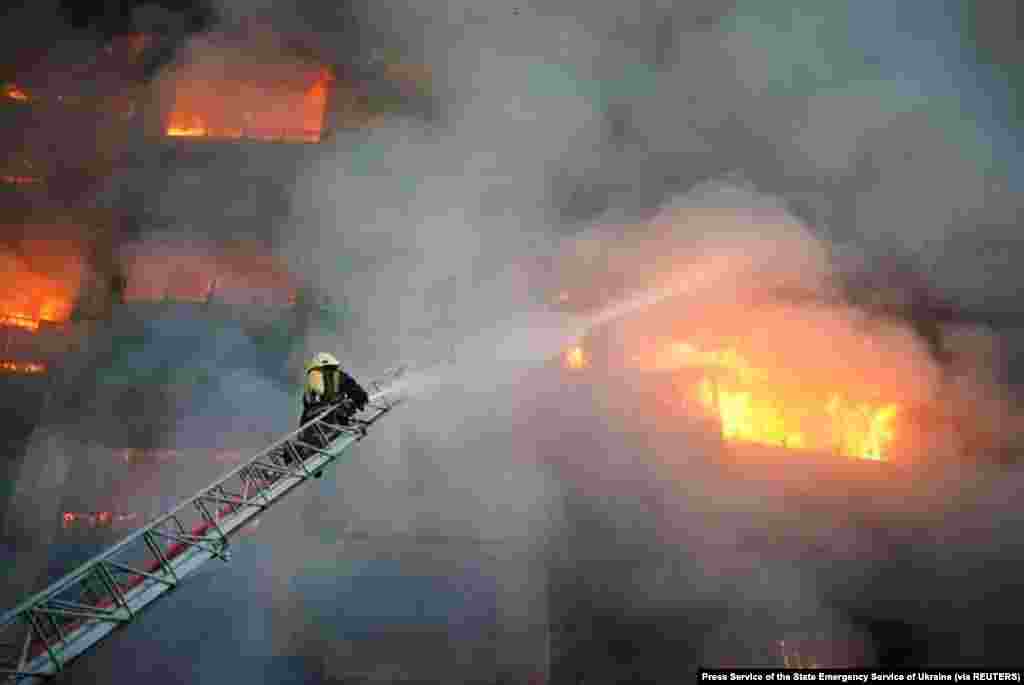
157	556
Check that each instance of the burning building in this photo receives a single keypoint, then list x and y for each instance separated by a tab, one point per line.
786	412
244	82
853	357
279	103
84	299
40	282
41	279
750	388
83	335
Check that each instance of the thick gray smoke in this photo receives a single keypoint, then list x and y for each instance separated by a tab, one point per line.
558	130
546	120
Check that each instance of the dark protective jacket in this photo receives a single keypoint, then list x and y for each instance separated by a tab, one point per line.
328	385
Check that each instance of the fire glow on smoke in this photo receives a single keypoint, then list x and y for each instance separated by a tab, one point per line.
758	406
223	108
575	358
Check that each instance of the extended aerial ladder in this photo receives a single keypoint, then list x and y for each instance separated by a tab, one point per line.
43	634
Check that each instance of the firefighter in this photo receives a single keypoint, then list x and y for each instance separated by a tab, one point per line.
326	385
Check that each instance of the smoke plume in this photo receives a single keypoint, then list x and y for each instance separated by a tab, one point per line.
680	167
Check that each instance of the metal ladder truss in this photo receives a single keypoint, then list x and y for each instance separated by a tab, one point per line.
42	635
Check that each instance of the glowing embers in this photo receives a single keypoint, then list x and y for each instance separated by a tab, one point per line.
575	358
26	368
270	109
39	281
97	519
23	322
758	406
11	91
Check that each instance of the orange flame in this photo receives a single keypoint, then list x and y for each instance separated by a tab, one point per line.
755	408
220	109
22	322
13	92
575	358
40	283
30	368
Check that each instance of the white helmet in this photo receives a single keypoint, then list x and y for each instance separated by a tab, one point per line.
321	360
